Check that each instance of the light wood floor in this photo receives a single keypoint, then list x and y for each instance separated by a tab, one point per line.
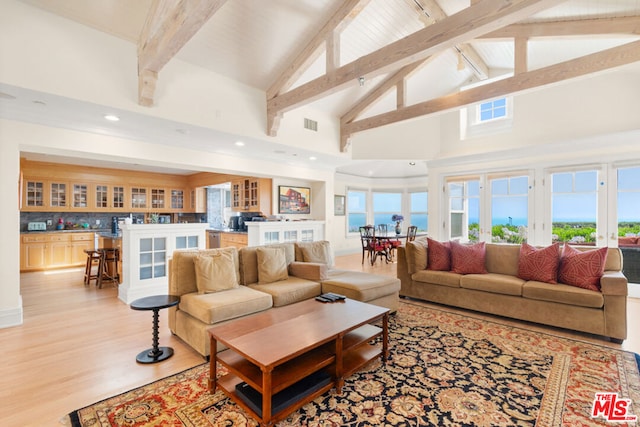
78	346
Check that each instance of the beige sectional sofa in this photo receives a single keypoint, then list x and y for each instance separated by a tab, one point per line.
309	273
501	292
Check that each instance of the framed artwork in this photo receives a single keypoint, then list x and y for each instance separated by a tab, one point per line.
338	205
294	200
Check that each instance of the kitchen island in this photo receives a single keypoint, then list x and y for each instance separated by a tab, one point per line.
146	251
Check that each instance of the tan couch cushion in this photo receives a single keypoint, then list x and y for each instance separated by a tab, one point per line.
563	294
215	272
272	265
492	282
309	270
502	258
417	255
444	278
319	252
360	286
224	305
249	261
182	270
286	292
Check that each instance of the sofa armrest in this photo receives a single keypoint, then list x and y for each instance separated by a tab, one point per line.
309	270
613	283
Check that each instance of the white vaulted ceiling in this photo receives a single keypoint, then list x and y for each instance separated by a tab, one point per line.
255	41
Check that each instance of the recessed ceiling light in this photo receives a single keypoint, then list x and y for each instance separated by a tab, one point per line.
111	118
38	102
312	158
239	144
412	163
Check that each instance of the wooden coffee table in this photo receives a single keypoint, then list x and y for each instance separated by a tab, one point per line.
281	351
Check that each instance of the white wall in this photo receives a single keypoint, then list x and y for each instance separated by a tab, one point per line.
59	56
10	299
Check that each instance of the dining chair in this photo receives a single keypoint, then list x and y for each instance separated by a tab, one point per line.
391	243
412	230
371	245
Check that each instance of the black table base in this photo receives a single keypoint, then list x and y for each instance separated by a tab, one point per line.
155	303
154	355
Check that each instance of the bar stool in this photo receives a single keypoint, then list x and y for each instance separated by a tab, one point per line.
94	259
110	259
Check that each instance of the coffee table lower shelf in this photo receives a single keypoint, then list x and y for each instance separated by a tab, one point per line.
281	407
271	389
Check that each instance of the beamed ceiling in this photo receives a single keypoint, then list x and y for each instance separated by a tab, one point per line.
370	63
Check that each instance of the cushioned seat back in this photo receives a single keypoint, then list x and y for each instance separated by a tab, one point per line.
502	258
319	251
182	270
249	261
416	255
613	261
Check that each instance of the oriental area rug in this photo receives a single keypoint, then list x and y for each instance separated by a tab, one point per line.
445	369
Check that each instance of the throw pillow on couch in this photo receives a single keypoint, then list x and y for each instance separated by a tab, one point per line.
572	267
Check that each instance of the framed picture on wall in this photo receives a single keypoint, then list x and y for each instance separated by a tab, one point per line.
294	200
338	205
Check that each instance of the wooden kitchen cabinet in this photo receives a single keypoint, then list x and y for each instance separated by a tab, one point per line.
79	243
33	252
251	195
109	198
238	240
33	195
40	251
198	200
177	200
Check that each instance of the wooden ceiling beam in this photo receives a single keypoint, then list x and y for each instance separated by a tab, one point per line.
429	12
596	62
329	38
478	19
310	52
582	27
168	27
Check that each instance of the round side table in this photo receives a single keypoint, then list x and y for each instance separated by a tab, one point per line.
155	303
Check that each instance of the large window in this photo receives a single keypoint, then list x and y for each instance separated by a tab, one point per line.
356	210
629	202
509	209
385	205
418	210
574	206
464	210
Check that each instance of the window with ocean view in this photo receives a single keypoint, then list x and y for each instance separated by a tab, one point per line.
464	210
418	210
385	205
356	210
629	202
509	209
574	206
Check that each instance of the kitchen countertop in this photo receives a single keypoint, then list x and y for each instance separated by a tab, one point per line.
103	232
226	230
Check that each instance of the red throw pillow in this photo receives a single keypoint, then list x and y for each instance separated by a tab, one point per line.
539	264
627	241
468	259
438	255
582	269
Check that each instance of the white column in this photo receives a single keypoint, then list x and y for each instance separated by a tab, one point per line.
146	251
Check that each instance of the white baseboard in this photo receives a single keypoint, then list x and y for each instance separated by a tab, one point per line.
634	290
11	316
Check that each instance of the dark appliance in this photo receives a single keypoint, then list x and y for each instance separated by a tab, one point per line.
249	217
235	224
